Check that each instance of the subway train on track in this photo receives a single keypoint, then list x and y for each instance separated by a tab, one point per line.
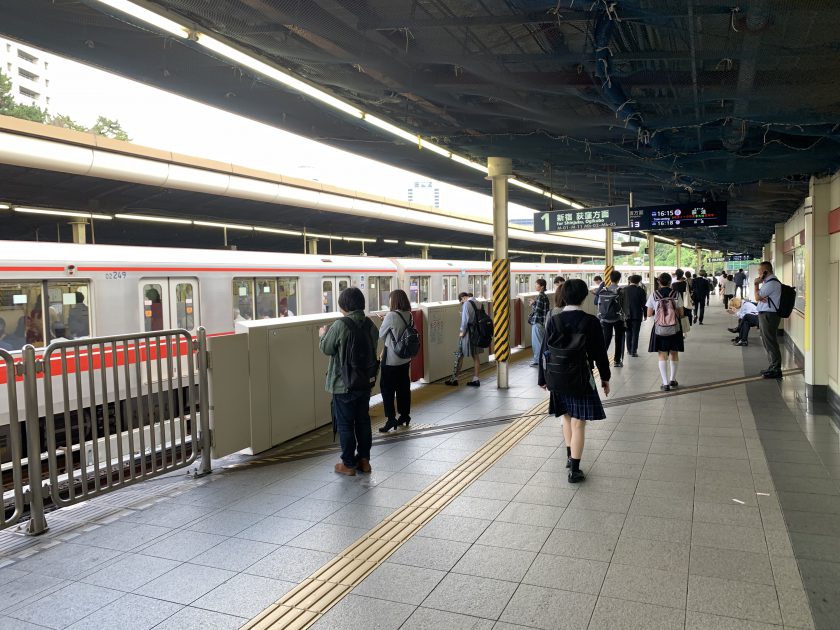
52	291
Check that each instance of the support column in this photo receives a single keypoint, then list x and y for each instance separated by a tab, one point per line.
678	247
818	304
608	256
424	252
699	251
651	247
79	231
312	246
498	172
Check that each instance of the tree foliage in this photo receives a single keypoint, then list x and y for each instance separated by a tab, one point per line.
9	107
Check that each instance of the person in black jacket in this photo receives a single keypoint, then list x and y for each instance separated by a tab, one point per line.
634	304
576	408
700	296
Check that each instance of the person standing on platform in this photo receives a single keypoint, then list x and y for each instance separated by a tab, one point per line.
699	296
740	282
573	343
599	283
396	379
611	316
469	308
666	338
728	290
539	311
768	293
680	285
634	312
558	282
354	333
558	300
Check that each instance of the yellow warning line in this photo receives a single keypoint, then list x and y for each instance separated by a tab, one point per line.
304	605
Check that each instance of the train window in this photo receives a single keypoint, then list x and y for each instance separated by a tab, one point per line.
523	283
152	307
450	288
379	289
185	305
243	299
479	286
69	309
418	289
266	298
328	295
287	296
21	315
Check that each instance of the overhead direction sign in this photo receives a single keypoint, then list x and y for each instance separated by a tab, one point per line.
676	216
584	219
740	257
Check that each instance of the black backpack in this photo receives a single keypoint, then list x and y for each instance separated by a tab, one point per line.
360	365
408	345
787	299
567	369
481	330
609	305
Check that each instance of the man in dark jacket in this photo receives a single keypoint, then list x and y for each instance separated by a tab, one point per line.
681	286
634	312
700	296
611	315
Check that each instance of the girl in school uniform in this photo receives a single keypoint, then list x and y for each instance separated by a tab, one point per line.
668	347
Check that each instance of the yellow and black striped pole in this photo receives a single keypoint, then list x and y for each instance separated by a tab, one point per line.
501	309
608	256
608	269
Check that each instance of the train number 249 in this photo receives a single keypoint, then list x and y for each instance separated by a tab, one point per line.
116	275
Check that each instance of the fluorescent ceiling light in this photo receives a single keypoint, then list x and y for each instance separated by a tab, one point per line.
313	235
416	244
357	239
390	240
425	144
5	206
226	226
149	17
384	125
462	160
278	231
237	56
63	213
525	185
140	217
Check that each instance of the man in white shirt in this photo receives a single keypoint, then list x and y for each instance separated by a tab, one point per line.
768	292
747	313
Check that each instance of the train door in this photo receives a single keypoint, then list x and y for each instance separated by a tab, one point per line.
169	303
331	288
450	288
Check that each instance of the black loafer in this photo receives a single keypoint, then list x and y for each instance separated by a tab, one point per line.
576	476
674	384
665	388
451	382
773	374
474	383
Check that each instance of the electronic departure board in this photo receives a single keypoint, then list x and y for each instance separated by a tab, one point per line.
676	216
583	219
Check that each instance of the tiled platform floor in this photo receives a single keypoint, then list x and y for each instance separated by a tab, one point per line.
686	521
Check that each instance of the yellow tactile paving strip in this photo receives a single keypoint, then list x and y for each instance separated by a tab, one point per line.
304	605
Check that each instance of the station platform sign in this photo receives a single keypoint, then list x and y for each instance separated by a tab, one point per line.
584	219
622	217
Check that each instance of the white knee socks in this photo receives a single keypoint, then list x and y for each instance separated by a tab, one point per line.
674	365
663	371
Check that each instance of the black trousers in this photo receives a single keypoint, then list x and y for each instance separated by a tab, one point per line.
618	327
633	327
699	310
747	322
396	380
726	298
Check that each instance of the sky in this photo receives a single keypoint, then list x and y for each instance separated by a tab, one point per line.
156	118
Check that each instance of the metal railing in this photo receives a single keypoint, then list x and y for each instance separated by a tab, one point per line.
13	514
112	411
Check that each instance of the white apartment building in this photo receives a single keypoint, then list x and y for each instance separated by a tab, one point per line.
28	68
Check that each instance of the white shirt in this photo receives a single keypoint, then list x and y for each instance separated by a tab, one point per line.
729	287
772	291
654	305
747	308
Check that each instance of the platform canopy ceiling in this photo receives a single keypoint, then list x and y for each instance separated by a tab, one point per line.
674	101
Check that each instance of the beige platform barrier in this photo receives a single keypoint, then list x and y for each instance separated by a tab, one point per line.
441	321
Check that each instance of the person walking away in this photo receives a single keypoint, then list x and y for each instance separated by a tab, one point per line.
680	285
747	313
350	343
539	312
710	287
688	300
666	338
768	293
634	312
396	377
574	343
700	297
740	282
469	308
611	316
728	290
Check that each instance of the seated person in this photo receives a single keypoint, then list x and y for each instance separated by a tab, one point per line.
4	344
747	313
78	321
